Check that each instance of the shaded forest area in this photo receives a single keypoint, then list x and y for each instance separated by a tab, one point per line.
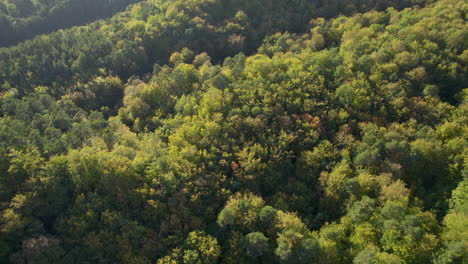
23	19
232	131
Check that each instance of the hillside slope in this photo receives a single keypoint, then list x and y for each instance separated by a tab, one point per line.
345	143
23	19
131	42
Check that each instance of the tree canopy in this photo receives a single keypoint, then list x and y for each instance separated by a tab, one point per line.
222	131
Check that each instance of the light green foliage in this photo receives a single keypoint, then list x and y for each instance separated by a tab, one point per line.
337	185
197	248
372	255
295	242
241	210
455	247
201	248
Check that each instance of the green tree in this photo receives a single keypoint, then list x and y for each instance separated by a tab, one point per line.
256	244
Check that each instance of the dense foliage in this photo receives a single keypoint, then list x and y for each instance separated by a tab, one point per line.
131	42
24	19
192	132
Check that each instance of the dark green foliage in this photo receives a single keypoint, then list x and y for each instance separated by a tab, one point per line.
452	252
256	244
23	19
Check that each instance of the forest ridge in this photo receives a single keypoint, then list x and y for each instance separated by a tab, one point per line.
234	131
23	19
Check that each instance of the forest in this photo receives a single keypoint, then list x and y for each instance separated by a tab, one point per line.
234	131
23	19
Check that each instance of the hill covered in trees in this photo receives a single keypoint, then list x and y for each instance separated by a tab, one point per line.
224	131
23	19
